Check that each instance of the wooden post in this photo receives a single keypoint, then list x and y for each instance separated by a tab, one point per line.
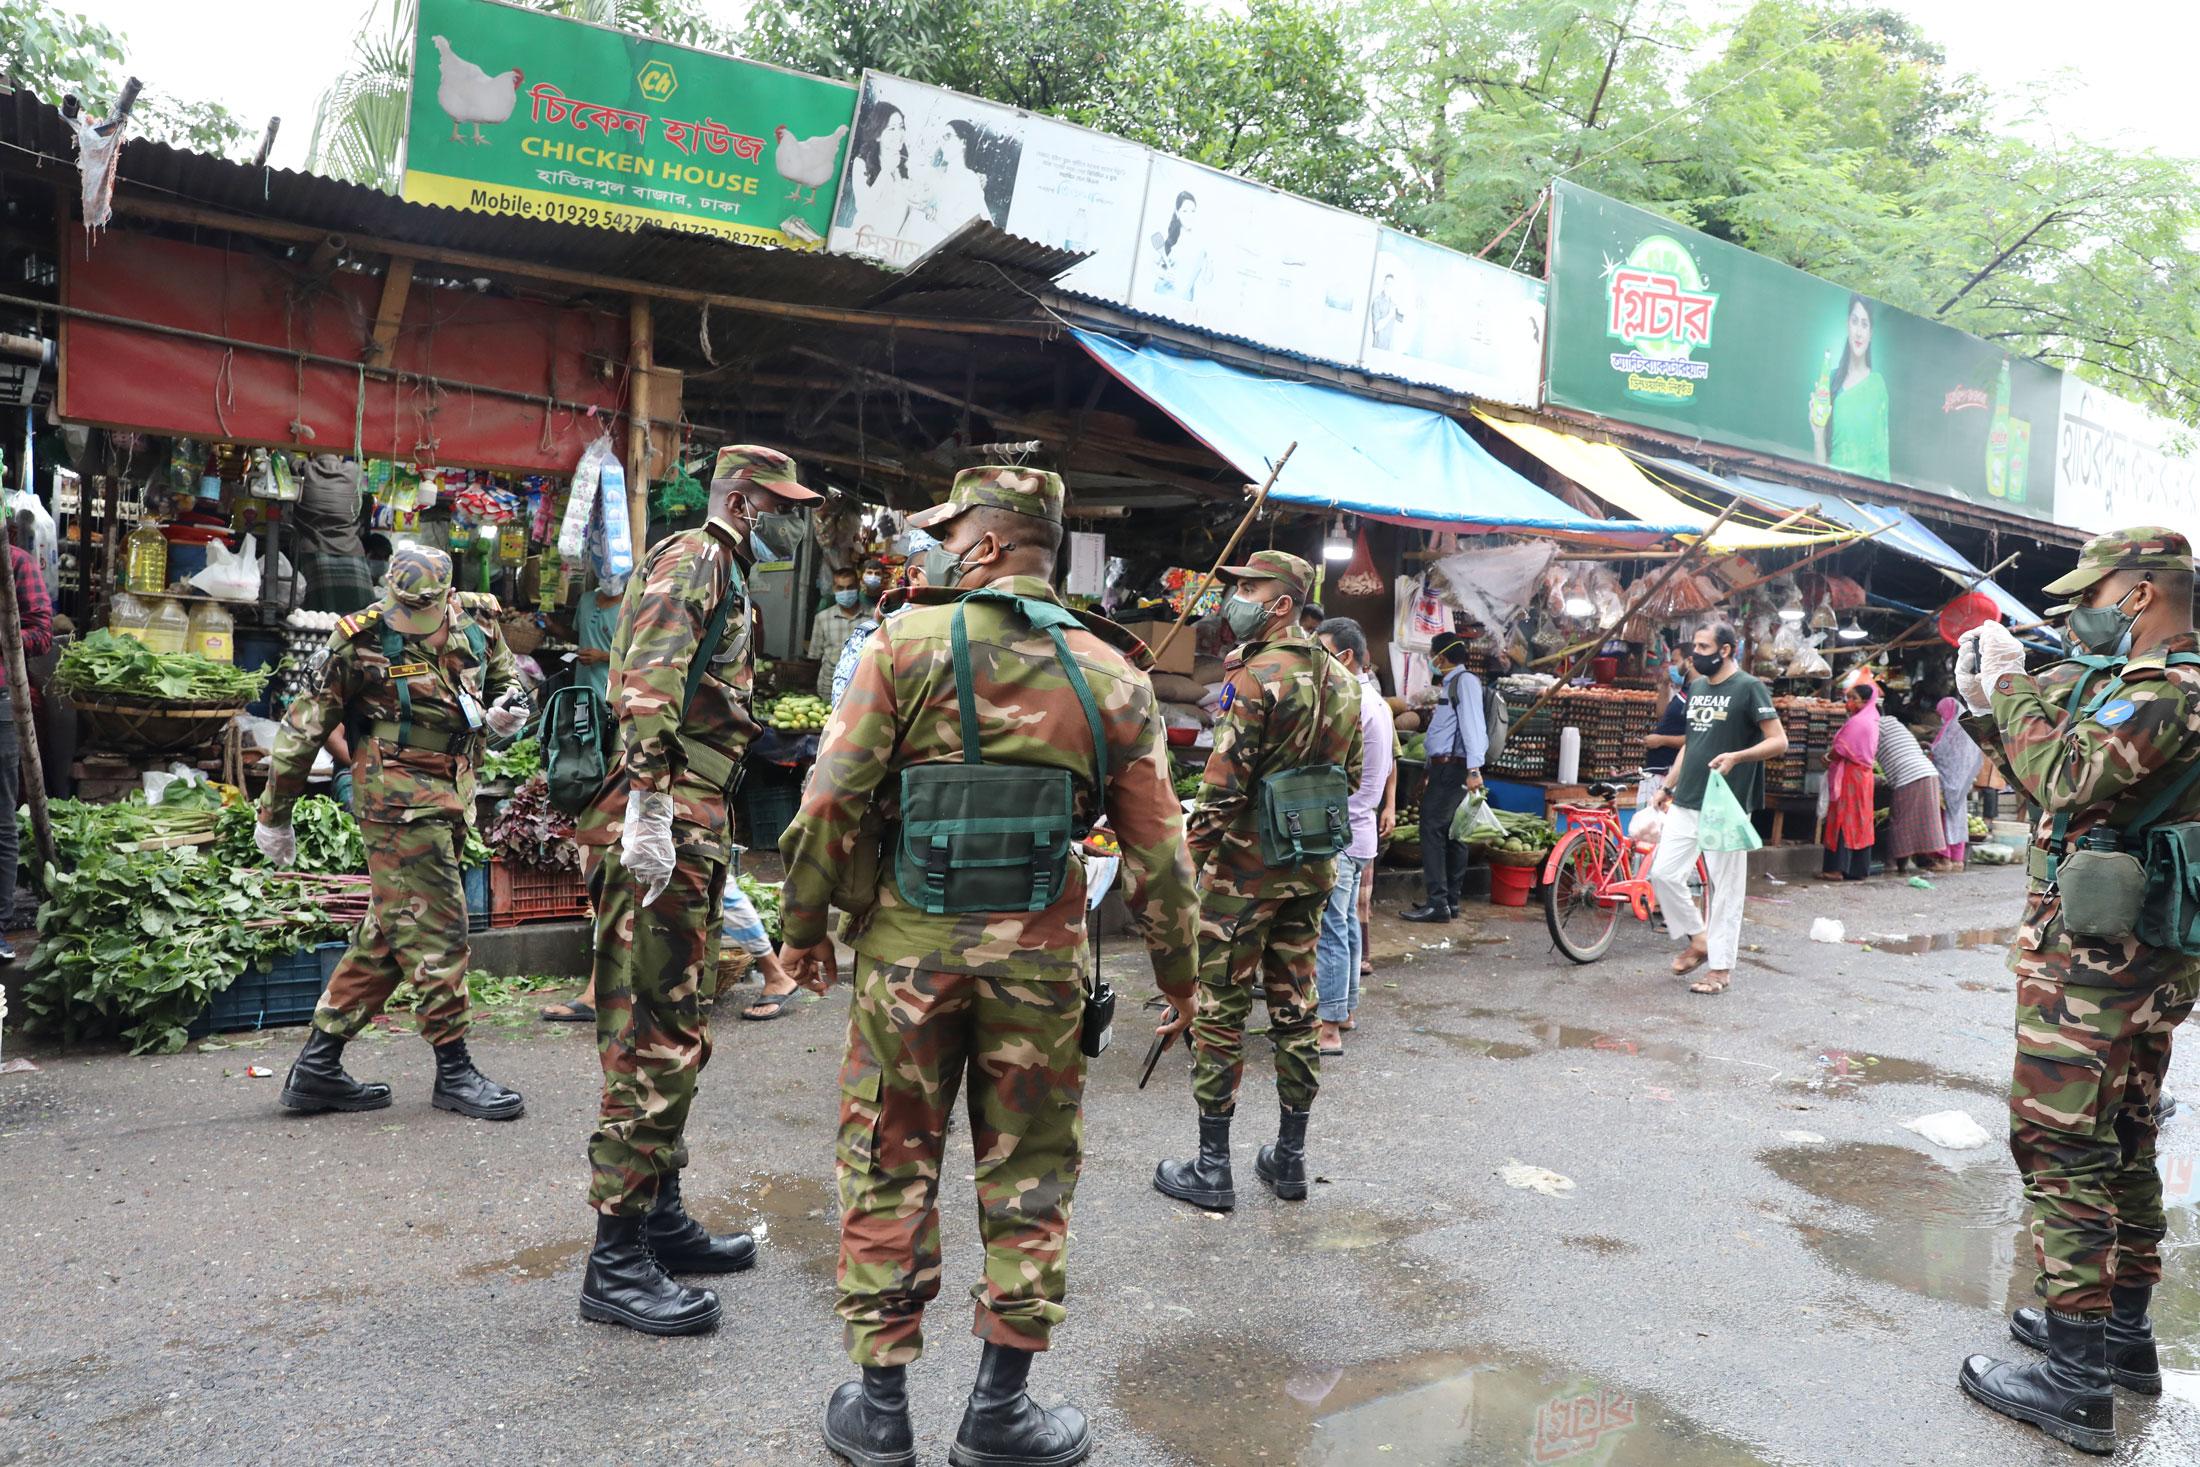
641	357
389	312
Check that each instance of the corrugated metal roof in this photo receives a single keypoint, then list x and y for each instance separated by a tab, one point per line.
972	259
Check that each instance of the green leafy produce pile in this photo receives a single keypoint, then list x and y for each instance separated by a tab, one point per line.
135	936
1187	785
1525	835
105	664
329	840
521	762
766	901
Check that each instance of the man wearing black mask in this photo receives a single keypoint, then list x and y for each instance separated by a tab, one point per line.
1458	740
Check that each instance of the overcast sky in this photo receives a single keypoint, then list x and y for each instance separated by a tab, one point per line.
2122	67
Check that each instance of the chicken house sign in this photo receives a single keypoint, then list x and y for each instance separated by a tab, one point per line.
518	112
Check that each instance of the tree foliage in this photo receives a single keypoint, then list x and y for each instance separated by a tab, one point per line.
57	52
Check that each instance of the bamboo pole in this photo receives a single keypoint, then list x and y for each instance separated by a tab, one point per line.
1641	598
1912	629
641	342
1260	497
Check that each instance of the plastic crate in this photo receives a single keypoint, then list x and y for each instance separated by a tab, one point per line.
770	805
478	904
521	894
283	993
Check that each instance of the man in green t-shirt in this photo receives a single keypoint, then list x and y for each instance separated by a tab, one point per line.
1732	729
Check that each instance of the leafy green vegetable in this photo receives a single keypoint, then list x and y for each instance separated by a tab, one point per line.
766	901
522	761
530	830
123	666
329	840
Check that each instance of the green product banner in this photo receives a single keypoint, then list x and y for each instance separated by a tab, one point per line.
1657	324
517	112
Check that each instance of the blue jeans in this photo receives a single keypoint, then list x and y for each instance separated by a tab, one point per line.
1337	954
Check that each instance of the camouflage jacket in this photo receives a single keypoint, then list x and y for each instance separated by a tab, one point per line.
2097	769
359	691
1288	704
900	710
669	603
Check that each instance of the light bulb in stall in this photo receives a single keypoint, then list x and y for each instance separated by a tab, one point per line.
1792	612
1579	605
1852	631
1339	545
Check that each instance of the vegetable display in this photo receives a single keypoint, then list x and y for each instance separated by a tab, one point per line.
531	831
1526	836
105	665
795	712
766	901
519	763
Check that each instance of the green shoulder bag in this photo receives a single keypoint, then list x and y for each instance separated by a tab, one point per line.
979	837
1305	813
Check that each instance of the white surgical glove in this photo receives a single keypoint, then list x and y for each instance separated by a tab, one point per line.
504	722
1970	686
278	843
1998	653
645	848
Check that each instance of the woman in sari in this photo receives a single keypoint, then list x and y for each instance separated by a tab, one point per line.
1957	756
1848	825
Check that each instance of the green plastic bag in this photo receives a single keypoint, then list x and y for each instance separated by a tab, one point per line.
1722	824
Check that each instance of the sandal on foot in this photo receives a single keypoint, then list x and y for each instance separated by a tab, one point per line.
1711	983
573	1012
1688	962
770	1006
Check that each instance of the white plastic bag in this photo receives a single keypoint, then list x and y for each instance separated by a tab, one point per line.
1953	1129
1492	586
1647	826
1474	819
230	575
1828	929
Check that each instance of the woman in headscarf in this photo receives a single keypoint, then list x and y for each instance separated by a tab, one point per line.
1848	825
1957	756
1914	830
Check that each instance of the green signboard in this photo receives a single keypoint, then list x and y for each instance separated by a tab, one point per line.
1660	325
517	112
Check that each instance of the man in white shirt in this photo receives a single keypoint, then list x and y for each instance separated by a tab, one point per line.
829	629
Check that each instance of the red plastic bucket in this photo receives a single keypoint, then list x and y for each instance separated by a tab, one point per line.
1510	885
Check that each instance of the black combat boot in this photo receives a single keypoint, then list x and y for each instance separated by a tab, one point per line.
867	1420
1205	1180
461	1087
1283	1165
684	1245
317	1080
626	1285
2131	1357
1004	1427
2068	1395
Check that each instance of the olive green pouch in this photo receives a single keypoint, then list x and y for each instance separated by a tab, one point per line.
2169	916
2101	893
1304	815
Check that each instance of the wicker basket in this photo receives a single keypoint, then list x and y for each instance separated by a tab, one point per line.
143	726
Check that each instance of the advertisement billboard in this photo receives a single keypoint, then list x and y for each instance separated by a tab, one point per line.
925	161
518	112
2116	464
1449	320
1657	324
1237	258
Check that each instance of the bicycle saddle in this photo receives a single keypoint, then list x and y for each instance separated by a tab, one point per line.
1603	789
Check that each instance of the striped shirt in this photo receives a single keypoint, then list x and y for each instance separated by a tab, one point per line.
1899	755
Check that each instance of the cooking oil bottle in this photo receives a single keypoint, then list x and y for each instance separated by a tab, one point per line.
210	632
169	629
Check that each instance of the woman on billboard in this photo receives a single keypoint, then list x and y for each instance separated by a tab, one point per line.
1848	407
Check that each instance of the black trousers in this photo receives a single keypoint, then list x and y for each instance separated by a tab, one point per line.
1847	864
1443	860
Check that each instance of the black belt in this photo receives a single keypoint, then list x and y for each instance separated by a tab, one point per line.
1447	758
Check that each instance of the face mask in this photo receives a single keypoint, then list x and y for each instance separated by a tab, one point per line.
871	585
1674	675
1706	663
942	568
757	547
1244	617
2104	630
845	600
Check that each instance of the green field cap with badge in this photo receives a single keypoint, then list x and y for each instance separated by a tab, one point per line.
767	468
1292	573
414	589
1033	492
2145	548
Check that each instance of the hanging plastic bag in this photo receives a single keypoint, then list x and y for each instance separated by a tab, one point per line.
1646	827
1722	824
580	504
1475	821
618	535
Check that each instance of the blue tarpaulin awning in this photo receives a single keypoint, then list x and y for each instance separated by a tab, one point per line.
1384	460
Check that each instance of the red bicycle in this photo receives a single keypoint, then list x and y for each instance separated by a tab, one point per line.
1594	871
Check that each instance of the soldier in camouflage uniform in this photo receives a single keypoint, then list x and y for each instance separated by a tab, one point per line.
416	680
1287	705
682	675
990	999
2094	1015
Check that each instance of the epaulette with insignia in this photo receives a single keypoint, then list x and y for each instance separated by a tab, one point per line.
359	621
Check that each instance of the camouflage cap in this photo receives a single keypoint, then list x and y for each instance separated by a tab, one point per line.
1034	492
414	588
2147	547
1294	574
767	468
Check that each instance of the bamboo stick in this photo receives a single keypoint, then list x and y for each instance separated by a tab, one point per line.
1260	497
1911	630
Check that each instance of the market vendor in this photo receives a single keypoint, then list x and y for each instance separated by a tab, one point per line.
417	681
829	629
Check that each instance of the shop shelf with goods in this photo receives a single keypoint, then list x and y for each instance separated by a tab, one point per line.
1531	747
1613	723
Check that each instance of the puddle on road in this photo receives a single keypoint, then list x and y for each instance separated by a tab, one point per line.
538	1262
1971	939
796	1214
1601	1246
1843	1073
1549	1035
1228	1402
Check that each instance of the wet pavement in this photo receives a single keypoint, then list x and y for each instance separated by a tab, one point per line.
1565	1215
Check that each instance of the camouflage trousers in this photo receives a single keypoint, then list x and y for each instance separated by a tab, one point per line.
913	1036
1244	941
655	968
414	930
2082	1124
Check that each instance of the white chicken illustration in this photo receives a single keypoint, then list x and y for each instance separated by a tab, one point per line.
467	94
807	163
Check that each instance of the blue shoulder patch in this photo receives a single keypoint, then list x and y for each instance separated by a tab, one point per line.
2116	712
1229	696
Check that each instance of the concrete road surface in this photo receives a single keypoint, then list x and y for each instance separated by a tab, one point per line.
1565	1215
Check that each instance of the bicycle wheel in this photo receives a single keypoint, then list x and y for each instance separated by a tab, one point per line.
1581	921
